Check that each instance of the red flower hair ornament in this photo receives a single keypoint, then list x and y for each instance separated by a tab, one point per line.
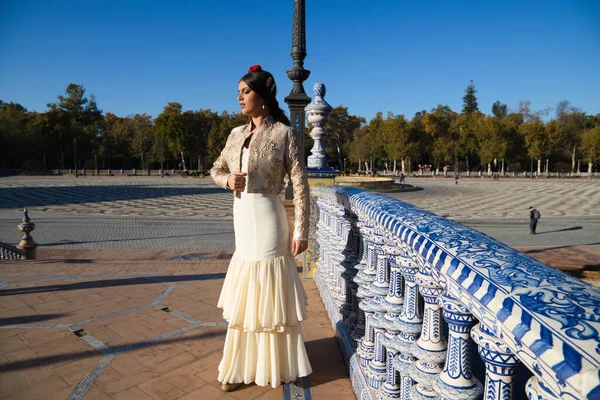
255	68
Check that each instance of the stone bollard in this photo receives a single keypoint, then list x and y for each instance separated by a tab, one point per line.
27	244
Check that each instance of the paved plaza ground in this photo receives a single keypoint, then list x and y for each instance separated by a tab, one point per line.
193	214
121	303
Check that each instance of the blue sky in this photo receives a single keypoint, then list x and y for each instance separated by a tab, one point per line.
398	56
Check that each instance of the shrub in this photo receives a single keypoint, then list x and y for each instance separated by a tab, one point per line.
89	164
515	167
562	167
33	165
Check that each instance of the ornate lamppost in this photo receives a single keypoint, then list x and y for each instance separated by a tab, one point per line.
297	99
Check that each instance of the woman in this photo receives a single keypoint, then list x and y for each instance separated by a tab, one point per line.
263	299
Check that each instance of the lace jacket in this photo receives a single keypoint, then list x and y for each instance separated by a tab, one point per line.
274	152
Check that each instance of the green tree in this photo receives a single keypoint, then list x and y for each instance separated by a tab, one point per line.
463	129
470	100
572	123
397	140
160	150
491	140
419	135
515	142
340	130
499	110
142	138
169	125
540	139
590	146
360	149
115	142
14	142
84	121
445	142
374	141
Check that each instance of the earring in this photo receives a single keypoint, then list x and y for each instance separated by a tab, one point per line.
263	106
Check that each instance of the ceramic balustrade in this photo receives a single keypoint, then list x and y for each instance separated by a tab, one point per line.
430	348
396	348
359	330
456	382
349	310
500	363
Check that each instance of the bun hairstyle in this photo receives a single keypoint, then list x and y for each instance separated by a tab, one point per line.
263	83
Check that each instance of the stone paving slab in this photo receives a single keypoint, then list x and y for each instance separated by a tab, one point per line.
133	325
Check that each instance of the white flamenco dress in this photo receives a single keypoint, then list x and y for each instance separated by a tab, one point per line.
263	299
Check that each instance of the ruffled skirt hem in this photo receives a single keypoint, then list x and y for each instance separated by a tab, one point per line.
263	296
264	358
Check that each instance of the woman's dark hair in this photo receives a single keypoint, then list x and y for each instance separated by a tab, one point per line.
263	83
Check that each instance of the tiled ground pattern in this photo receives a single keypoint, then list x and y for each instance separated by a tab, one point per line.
147	329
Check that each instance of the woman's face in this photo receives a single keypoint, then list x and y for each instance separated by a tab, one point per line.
250	102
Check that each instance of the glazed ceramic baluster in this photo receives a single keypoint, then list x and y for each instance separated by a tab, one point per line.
349	251
411	317
322	239
366	345
344	227
351	286
402	364
348	271
328	274
410	322
376	370
359	331
500	364
430	348
456	380
369	274
394	302
378	290
366	348
337	258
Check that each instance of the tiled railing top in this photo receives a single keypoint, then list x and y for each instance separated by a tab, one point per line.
548	318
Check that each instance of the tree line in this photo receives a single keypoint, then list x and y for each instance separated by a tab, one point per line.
74	133
506	140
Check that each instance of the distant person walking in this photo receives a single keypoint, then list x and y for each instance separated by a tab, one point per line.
456	178
534	216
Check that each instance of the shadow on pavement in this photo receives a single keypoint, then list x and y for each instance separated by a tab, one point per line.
19	197
574	228
42	361
143	280
30	319
321	352
67	242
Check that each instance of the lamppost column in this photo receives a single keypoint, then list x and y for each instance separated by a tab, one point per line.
297	100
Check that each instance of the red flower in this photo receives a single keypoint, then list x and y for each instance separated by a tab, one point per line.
255	67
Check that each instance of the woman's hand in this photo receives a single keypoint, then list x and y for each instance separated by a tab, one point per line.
299	247
237	181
